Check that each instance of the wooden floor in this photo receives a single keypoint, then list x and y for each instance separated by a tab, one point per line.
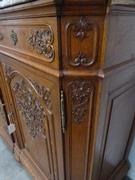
10	169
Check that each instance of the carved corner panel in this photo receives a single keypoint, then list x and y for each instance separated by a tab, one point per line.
82	42
80	99
32	101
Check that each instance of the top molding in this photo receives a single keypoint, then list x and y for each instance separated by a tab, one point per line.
49	8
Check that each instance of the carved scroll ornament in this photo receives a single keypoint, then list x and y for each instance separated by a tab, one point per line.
81	92
42	41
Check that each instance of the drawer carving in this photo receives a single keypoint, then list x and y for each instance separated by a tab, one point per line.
30	99
81	92
35	41
82	42
42	42
14	37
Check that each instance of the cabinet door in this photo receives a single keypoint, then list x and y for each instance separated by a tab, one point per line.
36	101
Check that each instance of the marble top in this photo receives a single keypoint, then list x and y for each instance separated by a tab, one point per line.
4	3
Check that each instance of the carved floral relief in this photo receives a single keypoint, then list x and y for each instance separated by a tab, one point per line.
42	41
31	100
30	107
81	93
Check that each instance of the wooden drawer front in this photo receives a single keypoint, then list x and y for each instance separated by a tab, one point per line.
36	39
81	38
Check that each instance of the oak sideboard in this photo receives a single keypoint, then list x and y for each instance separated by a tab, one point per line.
67	87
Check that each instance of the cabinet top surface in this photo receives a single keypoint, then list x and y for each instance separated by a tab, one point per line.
5	3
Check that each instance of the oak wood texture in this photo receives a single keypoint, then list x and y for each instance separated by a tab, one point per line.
27	34
71	59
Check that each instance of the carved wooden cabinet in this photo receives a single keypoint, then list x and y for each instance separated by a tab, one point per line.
67	75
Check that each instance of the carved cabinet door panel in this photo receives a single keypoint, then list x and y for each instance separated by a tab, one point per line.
36	101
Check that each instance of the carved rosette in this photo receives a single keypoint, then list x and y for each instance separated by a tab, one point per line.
42	41
81	92
82	34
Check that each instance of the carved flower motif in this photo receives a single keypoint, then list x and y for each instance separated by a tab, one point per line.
80	93
42	41
30	107
27	94
81	28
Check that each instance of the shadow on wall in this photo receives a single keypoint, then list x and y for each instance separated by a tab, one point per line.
131	172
